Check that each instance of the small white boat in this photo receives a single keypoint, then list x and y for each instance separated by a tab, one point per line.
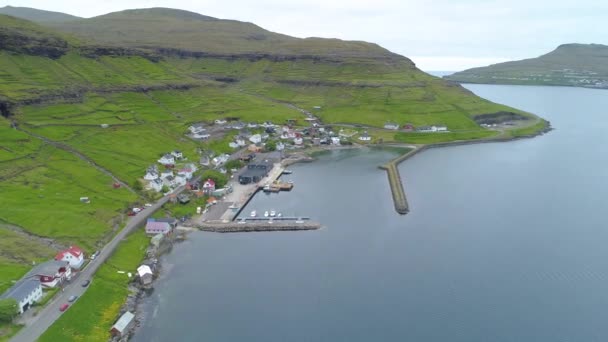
279	215
253	213
266	213
287	172
273	213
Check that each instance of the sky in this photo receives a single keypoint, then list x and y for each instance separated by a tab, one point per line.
445	35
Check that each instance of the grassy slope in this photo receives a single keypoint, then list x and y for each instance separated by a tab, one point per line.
91	317
569	64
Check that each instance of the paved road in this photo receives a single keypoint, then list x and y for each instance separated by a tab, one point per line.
50	313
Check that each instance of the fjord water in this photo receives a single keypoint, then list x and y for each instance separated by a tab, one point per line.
504	242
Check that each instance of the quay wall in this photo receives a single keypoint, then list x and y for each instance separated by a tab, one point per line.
235	227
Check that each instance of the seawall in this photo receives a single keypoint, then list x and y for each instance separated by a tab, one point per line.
236	227
394	178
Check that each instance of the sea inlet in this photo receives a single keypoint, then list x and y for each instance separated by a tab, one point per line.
503	242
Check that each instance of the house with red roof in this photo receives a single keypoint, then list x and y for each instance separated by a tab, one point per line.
73	255
209	186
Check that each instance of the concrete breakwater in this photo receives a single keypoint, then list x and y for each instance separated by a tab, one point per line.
236	227
394	178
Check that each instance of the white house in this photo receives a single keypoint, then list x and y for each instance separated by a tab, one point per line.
280	146
365	137
52	272
73	255
169	181
238	125
166	173
221	159
167	159
181	179
391	125
335	141
209	186
240	141
220	121
25	292
145	274
197	128
156	185
188	170
441	128
298	141
151	173
256	138
202	136
177	154
252	125
204	160
233	144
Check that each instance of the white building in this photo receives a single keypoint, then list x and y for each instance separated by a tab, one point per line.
52	272
145	274
151	173
391	125
298	141
177	154
202	136
280	146
220	121
365	137
167	159
25	292
73	255
181	179
256	138
240	141
166	173
156	185
197	128
335	141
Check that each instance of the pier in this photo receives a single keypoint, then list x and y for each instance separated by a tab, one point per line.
258	226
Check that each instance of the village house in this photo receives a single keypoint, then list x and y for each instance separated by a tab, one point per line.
156	185
151	173
157	227
365	137
252	125
238	125
73	255
233	145
280	146
391	125
209	186
145	274
25	292
188	170
51	273
220	160
122	326
241	141
427	129
298	141
166	173
201	135
181	179
167	159
335	141
177	154
256	138
220	121
169	181
197	128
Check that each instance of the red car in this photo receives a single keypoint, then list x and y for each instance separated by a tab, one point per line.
64	307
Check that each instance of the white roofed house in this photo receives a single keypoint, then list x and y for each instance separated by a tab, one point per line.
170	181
181	179
391	125
256	138
145	274
298	141
167	159
201	135
166	173
233	144
241	141
365	136
204	160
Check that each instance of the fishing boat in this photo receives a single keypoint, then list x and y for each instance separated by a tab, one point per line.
253	213
279	215
287	172
273	213
266	213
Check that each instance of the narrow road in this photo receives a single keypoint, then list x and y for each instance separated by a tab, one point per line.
50	313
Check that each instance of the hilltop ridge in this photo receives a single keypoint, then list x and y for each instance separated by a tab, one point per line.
579	65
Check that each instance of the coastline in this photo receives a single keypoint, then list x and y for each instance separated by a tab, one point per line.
396	182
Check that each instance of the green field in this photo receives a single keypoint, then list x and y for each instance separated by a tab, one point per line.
92	315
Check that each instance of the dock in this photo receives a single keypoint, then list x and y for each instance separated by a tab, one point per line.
258	226
277	186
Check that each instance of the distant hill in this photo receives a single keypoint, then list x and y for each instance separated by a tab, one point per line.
188	31
36	14
24	37
581	65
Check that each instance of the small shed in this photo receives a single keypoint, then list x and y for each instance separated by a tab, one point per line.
123	324
145	274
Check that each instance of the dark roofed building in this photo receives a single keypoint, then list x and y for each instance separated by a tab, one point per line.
255	172
26	292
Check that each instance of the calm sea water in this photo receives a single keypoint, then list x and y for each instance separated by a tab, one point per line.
504	242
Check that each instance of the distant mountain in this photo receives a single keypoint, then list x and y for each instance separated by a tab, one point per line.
36	15
164	28
580	65
25	37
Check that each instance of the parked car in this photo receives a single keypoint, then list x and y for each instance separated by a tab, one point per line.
94	255
72	298
136	210
64	307
86	283
148	205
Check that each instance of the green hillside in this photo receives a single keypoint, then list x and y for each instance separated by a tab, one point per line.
579	65
148	75
36	15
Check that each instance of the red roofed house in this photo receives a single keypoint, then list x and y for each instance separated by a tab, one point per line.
74	255
209	186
